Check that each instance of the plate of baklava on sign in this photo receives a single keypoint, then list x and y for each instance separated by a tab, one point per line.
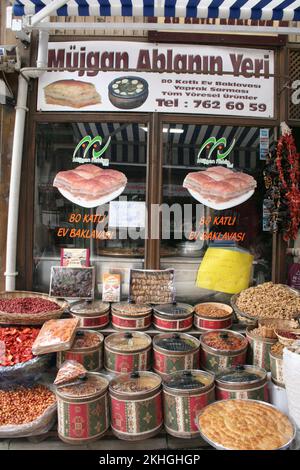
220	188
89	185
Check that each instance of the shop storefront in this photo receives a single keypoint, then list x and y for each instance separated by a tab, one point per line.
145	211
236	115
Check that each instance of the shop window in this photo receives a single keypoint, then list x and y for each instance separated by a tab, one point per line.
191	221
77	218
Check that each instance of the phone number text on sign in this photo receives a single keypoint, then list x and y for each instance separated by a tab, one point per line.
220	95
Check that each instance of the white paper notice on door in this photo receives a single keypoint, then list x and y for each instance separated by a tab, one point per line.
124	214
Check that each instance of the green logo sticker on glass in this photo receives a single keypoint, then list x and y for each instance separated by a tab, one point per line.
95	146
219	145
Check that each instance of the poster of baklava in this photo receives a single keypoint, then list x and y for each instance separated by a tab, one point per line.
220	188
89	185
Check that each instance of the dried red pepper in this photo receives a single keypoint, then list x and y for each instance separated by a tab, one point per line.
16	344
27	305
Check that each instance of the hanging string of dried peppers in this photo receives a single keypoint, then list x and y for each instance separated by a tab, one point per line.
288	166
281	176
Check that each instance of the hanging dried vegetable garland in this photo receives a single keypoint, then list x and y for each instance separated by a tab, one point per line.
281	175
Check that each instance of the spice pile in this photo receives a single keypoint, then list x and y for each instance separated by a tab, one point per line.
24	405
16	344
211	311
27	305
269	300
224	341
88	386
85	340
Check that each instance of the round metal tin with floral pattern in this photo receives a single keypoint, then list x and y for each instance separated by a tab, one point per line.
131	316
221	349
91	314
83	409
127	352
136	405
90	357
219	319
175	351
276	366
259	350
243	382
173	317
185	393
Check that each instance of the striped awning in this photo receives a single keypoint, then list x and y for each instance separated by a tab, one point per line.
129	143
274	10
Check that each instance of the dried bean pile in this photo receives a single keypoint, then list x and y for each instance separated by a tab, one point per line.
27	305
269	300
16	344
24	405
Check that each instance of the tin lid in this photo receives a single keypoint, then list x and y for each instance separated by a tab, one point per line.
177	342
224	341
89	307
241	374
186	380
136	383
131	309
91	385
174	310
128	342
86	339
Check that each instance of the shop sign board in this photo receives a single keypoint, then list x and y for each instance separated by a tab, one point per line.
145	77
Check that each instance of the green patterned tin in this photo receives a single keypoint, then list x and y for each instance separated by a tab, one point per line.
90	357
127	352
185	393
259	349
83	410
276	365
136	405
221	349
242	382
174	352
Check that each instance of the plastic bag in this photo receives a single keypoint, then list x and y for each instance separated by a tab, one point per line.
24	373
69	372
291	376
55	335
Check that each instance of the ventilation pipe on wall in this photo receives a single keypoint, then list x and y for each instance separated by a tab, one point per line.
17	153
